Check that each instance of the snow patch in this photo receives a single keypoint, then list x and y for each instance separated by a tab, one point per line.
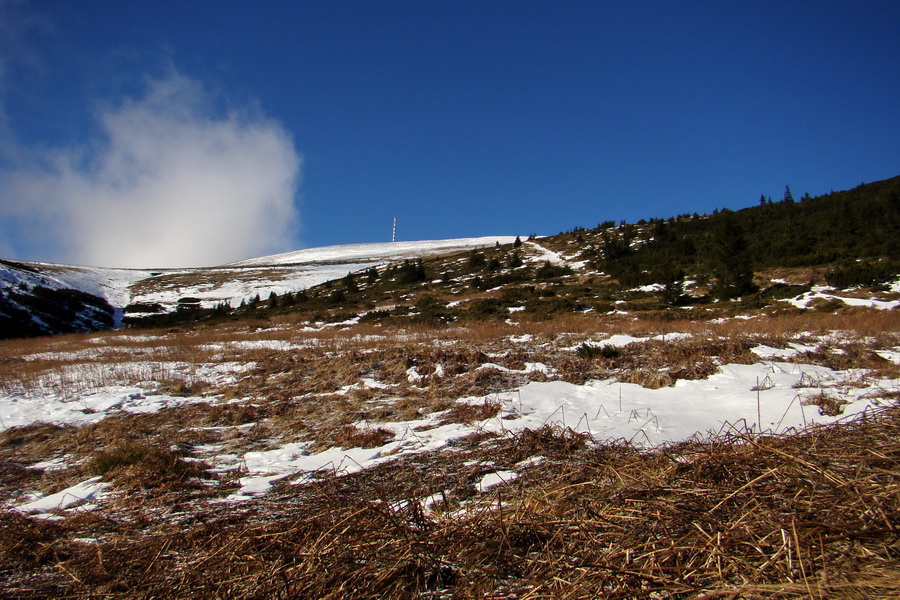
77	495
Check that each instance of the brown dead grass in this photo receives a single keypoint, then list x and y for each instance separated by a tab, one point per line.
739	516
351	436
139	464
828	403
468	413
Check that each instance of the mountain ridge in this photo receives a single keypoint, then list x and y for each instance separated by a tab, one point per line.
163	288
757	256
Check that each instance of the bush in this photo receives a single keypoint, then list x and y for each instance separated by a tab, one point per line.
549	271
858	273
589	351
485	308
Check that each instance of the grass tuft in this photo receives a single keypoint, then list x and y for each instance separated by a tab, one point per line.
141	464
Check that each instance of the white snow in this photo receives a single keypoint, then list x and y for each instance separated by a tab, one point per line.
495	478
770	395
792	350
86	491
621	340
111	284
803	300
18	409
891	355
545	254
607	410
281	273
375	252
653	287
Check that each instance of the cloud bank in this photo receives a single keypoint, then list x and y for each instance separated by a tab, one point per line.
168	181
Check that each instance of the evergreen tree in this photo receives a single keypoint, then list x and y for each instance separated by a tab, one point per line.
788	196
732	266
672	279
350	284
476	260
411	272
517	243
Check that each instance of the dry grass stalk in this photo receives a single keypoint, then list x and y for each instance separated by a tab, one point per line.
736	516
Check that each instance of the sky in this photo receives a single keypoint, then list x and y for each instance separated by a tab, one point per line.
171	133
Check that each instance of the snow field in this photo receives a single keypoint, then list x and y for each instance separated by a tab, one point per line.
376	252
769	397
772	395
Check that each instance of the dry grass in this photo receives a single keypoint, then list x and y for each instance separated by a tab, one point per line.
739	516
471	413
828	404
805	516
132	463
302	385
351	436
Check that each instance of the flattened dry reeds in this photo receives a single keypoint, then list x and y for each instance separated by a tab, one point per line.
810	515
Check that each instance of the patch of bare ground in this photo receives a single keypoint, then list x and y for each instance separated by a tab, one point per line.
738	516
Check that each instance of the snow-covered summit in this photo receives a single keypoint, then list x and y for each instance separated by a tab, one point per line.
374	252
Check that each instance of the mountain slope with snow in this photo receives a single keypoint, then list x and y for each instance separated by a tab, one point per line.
373	253
162	289
33	301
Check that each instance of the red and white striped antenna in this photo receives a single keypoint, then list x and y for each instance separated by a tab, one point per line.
394	231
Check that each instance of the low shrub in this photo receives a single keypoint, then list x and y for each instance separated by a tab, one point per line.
588	351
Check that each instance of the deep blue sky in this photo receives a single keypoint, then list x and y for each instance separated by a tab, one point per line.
490	117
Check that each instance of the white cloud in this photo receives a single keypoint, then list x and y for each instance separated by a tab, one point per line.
170	181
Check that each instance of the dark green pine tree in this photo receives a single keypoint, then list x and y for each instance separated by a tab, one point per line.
733	268
350	284
672	278
788	196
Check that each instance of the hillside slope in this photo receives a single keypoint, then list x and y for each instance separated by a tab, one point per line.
830	253
35	301
74	298
815	252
